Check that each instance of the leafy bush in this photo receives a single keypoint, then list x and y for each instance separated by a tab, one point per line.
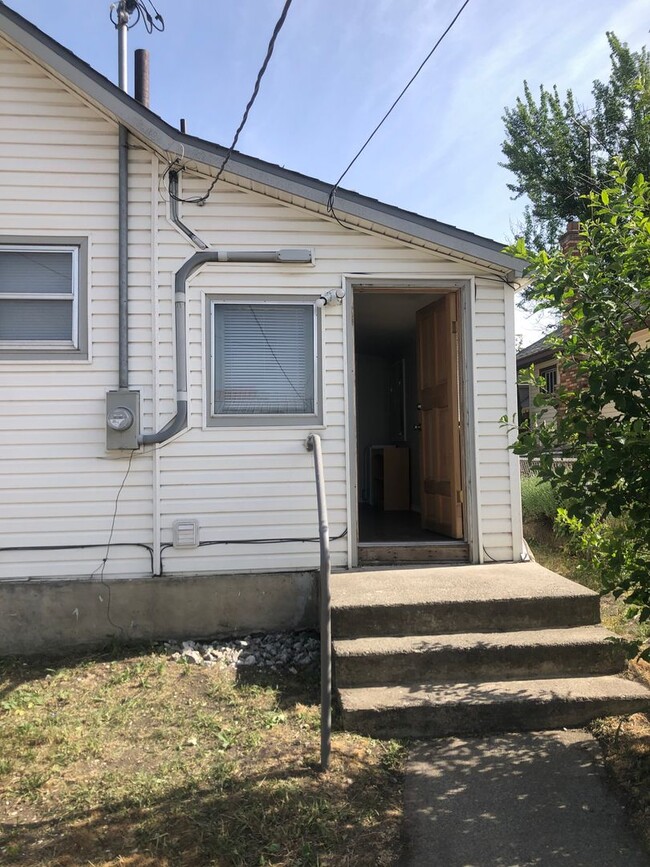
602	420
538	500
607	548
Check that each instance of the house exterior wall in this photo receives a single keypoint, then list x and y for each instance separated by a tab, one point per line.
61	487
499	498
59	166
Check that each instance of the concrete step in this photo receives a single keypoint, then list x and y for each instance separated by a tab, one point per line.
441	600
525	654
438	710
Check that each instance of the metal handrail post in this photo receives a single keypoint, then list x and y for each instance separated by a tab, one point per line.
313	443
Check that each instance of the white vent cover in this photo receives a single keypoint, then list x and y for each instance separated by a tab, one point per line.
185	533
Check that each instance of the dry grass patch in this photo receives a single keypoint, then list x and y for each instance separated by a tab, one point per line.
625	742
139	761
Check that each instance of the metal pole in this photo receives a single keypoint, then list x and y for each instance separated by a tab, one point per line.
122	57
123	204
314	444
123	261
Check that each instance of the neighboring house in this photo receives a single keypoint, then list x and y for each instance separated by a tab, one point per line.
542	358
163	442
545	364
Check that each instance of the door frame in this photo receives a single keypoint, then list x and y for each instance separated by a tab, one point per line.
465	287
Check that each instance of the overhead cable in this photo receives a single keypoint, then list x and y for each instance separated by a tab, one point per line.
201	200
332	193
138	8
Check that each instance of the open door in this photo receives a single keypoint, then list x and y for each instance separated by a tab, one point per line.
440	474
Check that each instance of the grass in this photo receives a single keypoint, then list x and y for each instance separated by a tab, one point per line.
624	741
552	551
135	760
537	499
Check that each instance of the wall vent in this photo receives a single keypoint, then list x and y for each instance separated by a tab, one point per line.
185	533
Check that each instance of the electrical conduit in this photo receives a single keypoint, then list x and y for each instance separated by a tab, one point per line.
281	257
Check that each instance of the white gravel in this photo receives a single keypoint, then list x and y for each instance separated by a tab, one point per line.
274	650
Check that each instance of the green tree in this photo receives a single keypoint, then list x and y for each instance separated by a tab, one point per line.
559	153
602	292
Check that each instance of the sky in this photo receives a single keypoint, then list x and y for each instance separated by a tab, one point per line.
337	67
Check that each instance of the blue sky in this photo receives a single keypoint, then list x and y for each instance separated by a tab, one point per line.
338	64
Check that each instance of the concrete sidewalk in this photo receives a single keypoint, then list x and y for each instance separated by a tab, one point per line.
514	800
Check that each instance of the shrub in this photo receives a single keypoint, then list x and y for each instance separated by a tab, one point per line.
602	294
538	501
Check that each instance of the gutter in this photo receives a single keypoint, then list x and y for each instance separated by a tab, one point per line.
282	257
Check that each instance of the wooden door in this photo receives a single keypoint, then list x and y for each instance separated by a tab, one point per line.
440	477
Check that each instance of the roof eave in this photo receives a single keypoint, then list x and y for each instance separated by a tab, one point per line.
162	135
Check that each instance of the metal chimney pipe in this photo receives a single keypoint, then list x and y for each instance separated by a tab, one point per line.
142	76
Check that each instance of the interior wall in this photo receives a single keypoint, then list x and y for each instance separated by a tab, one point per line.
373	419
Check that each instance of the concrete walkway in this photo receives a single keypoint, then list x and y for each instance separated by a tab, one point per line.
514	800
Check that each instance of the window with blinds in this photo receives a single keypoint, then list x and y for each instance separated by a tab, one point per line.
263	358
39	290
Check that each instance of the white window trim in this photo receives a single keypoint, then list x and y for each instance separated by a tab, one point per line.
77	347
305	420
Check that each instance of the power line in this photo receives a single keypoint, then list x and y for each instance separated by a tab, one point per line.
138	8
332	193
201	200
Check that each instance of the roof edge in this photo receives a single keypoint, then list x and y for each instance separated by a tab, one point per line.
162	135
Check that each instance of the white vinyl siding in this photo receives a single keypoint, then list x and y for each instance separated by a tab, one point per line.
242	483
245	484
494	482
60	161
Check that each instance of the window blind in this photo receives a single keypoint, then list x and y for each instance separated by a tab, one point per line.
33	271
35	320
37	295
263	359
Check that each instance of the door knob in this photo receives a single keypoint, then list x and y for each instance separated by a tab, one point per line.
417	427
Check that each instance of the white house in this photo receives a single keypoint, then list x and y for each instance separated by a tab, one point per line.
163	361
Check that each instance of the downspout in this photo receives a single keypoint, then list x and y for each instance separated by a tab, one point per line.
122	405
174	216
123	257
282	257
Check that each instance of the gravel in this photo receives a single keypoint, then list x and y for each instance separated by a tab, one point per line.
274	650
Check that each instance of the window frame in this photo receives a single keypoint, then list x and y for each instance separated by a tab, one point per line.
77	347
306	420
544	372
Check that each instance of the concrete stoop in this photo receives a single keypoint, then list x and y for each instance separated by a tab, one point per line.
437	651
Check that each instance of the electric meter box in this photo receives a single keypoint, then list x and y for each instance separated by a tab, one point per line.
122	419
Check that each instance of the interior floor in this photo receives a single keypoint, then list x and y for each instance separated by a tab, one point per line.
377	525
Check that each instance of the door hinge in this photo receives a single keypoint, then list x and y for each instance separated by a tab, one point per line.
454	326
459	497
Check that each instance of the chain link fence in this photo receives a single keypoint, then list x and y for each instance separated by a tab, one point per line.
529	468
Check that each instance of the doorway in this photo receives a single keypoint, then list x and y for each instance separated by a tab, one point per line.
409	450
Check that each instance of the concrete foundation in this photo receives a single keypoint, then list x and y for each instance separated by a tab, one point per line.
52	616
